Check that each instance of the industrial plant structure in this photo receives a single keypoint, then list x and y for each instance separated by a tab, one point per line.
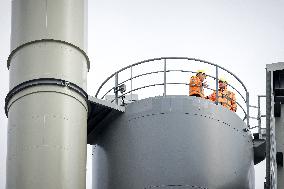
163	140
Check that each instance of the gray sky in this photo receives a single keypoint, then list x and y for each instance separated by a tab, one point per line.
241	36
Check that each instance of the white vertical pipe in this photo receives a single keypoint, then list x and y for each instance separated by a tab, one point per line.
47	123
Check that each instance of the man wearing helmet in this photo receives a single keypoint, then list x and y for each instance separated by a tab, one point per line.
197	83
225	97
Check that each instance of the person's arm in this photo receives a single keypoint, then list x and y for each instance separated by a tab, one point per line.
212	97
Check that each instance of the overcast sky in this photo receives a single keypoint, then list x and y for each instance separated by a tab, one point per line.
242	36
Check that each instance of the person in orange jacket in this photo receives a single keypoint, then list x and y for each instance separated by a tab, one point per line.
225	97
197	83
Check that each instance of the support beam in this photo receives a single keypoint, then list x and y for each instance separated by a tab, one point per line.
268	112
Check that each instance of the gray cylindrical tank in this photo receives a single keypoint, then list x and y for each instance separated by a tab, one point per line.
46	106
174	142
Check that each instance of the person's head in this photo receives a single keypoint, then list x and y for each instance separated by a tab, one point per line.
222	83
201	75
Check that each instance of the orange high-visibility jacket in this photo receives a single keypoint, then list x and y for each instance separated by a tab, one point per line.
196	87
225	98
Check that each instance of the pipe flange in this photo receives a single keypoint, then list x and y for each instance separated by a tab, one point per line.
41	82
47	40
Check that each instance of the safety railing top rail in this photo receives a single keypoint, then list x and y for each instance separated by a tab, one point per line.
165	83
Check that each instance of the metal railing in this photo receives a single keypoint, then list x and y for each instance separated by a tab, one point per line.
165	83
259	116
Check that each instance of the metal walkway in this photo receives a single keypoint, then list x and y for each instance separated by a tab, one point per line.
100	113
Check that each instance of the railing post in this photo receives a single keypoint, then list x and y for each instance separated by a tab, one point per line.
165	77
217	86
131	83
116	88
247	103
259	116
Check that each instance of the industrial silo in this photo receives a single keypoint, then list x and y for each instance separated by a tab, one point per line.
173	142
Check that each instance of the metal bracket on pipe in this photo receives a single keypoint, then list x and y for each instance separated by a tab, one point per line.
246	129
40	82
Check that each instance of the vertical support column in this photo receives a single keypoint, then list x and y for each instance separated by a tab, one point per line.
268	115
131	83
165	77
217	85
247	103
259	116
47	105
116	88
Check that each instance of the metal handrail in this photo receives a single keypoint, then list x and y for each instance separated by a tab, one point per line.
174	83
185	71
165	71
148	73
169	58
